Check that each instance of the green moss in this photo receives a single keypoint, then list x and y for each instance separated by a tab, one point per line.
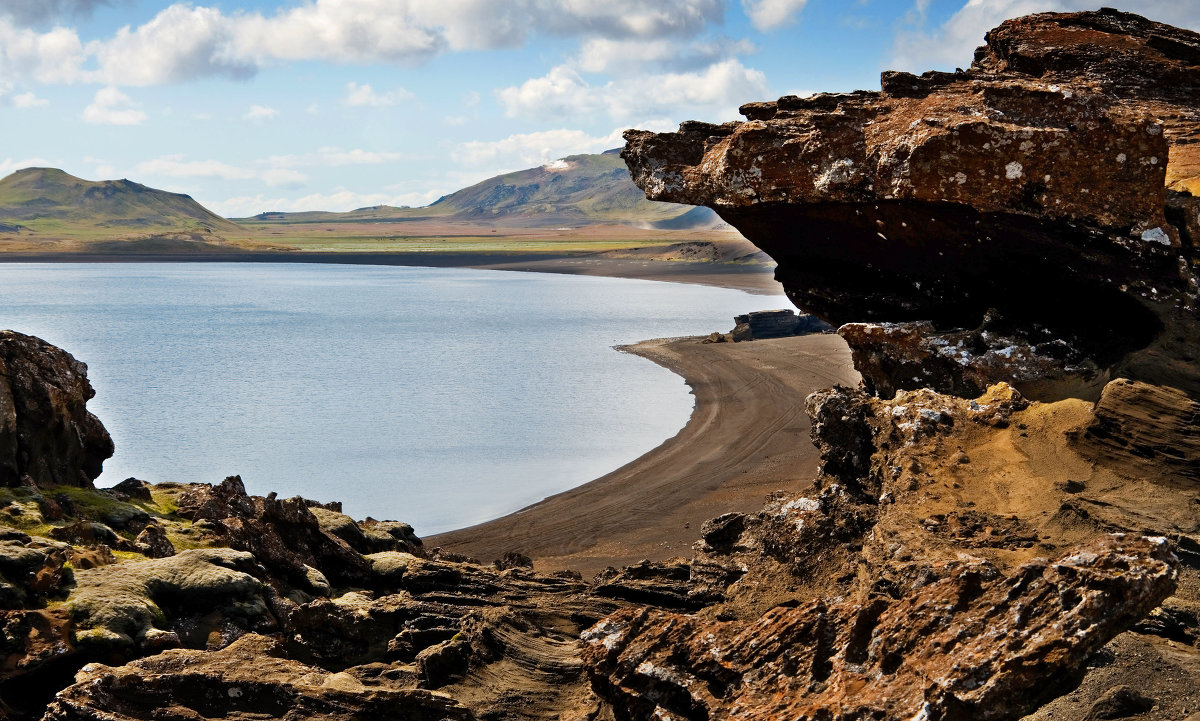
117	604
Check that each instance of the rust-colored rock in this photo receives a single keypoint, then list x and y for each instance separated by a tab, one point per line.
47	435
284	535
1151	430
1025	198
975	645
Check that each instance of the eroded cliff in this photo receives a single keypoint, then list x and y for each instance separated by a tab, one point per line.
966	551
1017	212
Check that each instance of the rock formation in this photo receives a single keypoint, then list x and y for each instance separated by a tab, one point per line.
974	645
260	608
47	436
911	580
1017	212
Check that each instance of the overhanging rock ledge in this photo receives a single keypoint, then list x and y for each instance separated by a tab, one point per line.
1035	207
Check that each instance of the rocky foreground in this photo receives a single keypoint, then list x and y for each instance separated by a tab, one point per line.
1006	520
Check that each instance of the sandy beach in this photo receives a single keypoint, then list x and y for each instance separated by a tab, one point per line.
748	437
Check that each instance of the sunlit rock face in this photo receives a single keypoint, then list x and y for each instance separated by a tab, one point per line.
47	435
1024	200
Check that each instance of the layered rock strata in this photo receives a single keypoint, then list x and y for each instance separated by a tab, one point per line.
1024	201
974	645
256	607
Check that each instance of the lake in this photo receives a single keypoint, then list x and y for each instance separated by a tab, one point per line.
440	397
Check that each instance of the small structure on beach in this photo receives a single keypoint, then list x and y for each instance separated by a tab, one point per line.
776	324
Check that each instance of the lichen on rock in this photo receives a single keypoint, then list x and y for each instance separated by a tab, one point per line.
1024	199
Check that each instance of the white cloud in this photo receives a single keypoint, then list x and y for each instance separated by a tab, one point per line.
529	149
771	14
332	156
364	95
175	166
32	12
482	24
952	44
186	41
261	112
714	92
8	165
277	177
24	101
180	43
113	107
337	201
56	56
606	55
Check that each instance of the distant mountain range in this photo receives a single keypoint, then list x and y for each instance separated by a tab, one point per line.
576	190
52	202
38	205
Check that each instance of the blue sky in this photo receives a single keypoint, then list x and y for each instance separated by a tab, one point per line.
335	104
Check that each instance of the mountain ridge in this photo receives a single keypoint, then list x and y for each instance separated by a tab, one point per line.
581	189
52	200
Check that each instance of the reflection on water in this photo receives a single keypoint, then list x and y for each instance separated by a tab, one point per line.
441	397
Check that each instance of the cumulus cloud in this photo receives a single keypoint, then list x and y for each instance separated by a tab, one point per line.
113	107
338	201
714	91
335	157
281	177
174	166
606	55
768	15
364	95
9	165
56	56
261	112
482	24
529	149
33	12
952	44
24	101
180	43
186	41
177	167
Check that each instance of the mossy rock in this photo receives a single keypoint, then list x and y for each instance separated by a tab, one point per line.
342	526
118	605
390	566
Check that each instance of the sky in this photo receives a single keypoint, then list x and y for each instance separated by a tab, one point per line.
289	105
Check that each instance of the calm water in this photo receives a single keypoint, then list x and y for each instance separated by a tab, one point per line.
441	397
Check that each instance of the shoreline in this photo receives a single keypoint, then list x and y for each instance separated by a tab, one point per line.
747	437
754	279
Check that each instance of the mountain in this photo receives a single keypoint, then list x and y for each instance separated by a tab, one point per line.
47	201
576	190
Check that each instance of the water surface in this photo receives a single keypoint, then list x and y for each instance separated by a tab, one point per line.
441	397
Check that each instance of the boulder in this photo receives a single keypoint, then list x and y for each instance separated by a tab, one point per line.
47	435
973	645
1023	201
126	606
250	678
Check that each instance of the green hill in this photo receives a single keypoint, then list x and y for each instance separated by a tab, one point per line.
576	190
50	202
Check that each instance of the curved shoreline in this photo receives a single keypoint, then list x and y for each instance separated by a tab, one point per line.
756	279
748	436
